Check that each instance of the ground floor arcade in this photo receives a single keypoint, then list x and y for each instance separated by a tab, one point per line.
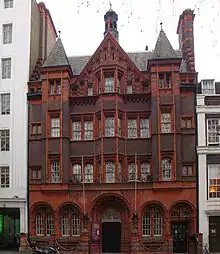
110	223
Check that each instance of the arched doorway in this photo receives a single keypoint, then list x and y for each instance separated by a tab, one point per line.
111	231
181	227
110	225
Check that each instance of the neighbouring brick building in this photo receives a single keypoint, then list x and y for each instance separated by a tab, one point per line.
112	160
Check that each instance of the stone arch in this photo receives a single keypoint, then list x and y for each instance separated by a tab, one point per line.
40	204
182	210
67	204
153	203
111	197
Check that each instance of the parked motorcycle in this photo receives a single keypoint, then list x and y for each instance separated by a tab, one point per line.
46	250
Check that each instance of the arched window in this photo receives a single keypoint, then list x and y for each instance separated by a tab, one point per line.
77	172
152	222
44	222
132	172
88	173
70	222
181	212
145	172
166	169
110	172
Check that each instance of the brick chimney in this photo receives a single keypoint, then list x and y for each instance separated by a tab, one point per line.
186	37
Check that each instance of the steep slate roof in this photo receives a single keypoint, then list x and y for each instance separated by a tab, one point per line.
140	59
163	48
57	57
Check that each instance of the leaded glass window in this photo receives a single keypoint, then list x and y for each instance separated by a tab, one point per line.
39	224
109	126
77	133
49	224
145	171
165	122
144	128
132	128
70	222
55	127
88	130
77	172
55	172
5	104
152	222
5	140
132	171
166	169
88	173
6	68
110	172
109	84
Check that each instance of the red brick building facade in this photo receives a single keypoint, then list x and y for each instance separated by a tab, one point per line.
112	160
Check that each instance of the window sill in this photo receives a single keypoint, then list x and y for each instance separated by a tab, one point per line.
150	239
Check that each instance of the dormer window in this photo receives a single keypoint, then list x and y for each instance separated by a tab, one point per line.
109	84
208	87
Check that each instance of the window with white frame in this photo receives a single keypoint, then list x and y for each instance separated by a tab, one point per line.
132	172
166	169
88	130
165	122
213	131
6	68
49	224
39	224
132	128
4	177
109	84
5	103
208	87
110	172
7	33
152	222
76	130
144	128
55	127
145	171
214	180
88	173
70	222
55	172
5	140
77	172
109	126
119	127
8	4
44	221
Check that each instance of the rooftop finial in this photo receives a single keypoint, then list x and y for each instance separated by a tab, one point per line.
110	5
161	25
59	33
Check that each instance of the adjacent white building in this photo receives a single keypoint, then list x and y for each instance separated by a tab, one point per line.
208	122
27	34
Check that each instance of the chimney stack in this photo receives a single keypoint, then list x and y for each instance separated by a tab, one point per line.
186	37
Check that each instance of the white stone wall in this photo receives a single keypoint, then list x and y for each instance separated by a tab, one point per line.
19	51
206	207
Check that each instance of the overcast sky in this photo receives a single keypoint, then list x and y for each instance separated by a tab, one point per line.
82	25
